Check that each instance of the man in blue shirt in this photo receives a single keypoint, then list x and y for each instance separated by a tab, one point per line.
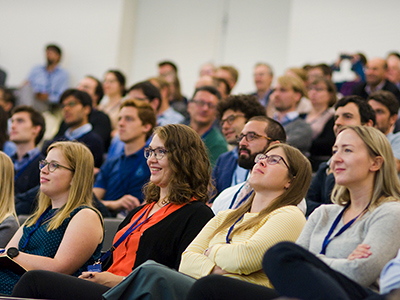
121	178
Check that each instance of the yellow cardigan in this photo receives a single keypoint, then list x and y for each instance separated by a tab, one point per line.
243	256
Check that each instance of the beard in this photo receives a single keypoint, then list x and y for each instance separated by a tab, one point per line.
247	161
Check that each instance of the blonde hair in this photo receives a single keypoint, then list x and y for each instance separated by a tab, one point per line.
386	183
293	82
7	206
300	174
80	159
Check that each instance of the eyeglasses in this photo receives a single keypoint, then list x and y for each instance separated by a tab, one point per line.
230	119
201	103
158	152
250	136
317	89
271	159
70	104
52	166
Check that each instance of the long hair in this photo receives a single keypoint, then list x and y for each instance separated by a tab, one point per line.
7	207
386	183
188	160
80	159
300	174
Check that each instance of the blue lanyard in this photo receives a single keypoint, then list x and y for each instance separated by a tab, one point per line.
241	201
228	240
131	229
25	166
327	239
38	223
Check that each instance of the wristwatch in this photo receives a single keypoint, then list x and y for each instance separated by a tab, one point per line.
12	252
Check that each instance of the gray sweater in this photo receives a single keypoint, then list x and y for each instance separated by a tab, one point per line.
7	229
380	229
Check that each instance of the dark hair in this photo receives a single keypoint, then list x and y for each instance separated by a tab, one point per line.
3	128
210	89
217	81
331	88
188	160
36	119
99	92
247	104
365	110
146	113
54	48
149	90
274	130
81	96
326	70
386	98
120	78
169	63
8	95
394	53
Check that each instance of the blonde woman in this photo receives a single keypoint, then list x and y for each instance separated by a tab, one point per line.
65	233
8	218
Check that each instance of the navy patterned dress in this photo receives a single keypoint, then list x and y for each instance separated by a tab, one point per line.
43	243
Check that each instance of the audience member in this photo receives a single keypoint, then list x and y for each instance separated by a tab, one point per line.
375	74
203	113
257	135
167	69
173	215
207	69
222	86
350	110
76	107
318	71
100	121
8	218
229	73
121	178
322	94
285	98
7	100
393	68
27	130
3	77
6	146
263	76
114	90
65	233
234	112
48	82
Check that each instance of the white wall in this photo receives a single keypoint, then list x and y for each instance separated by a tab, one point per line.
134	35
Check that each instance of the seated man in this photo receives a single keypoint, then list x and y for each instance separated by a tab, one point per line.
27	130
350	110
120	180
76	107
234	112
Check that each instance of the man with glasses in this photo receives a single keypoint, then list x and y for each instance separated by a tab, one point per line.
203	113
27	130
120	180
257	135
234	112
76	106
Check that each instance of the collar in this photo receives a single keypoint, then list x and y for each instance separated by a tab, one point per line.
79	132
289	117
31	154
137	153
369	90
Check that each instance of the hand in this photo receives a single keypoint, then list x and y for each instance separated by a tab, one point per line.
127	202
104	278
362	251
218	271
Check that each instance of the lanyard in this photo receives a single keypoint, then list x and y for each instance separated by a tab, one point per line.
25	166
228	240
327	239
241	201
131	229
38	223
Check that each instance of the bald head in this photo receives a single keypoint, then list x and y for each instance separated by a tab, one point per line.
375	71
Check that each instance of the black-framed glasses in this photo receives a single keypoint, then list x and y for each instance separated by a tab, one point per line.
230	119
250	136
70	104
158	152
272	159
52	166
201	103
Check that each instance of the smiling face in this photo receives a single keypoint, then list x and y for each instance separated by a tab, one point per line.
351	163
203	108
266	177
56	184
230	129
160	169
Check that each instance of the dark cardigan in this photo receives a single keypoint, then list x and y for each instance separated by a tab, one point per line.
165	241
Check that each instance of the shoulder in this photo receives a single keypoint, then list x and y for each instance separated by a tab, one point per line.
86	215
327	210
288	210
390	205
10	222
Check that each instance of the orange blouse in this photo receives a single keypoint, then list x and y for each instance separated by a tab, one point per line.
125	254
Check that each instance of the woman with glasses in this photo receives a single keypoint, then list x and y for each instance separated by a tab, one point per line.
8	218
65	232
174	213
322	94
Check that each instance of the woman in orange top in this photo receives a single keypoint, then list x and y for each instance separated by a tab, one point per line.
174	213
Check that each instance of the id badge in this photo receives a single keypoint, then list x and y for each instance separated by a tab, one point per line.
94	268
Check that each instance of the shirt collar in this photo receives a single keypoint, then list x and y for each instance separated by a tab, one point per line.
77	133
